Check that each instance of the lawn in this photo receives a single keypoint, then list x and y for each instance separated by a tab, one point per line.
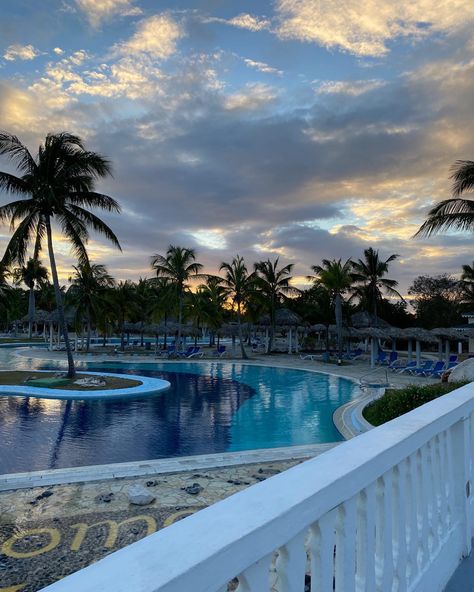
20	378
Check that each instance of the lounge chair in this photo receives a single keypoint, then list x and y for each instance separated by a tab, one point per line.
220	352
187	353
169	352
382	358
393	357
353	355
449	367
195	353
453	358
406	368
437	370
421	370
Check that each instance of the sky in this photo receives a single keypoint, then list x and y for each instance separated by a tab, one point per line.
299	129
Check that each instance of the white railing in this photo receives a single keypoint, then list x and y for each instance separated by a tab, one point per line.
390	510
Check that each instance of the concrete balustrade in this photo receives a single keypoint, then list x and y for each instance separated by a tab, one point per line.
390	510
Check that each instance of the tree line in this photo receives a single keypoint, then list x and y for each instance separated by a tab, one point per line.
57	185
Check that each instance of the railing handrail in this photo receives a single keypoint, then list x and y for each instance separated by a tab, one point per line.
207	549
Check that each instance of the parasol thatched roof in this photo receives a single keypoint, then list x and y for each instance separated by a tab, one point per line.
283	317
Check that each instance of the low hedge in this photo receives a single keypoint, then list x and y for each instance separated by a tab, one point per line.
396	402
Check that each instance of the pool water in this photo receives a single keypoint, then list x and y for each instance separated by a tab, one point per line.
211	407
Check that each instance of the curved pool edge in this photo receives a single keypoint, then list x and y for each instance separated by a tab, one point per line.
162	466
148	386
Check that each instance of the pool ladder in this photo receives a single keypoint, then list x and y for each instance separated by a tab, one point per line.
365	383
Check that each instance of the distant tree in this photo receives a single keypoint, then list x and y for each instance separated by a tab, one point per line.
178	265
57	185
124	306
274	284
336	278
31	274
467	285
370	281
87	293
436	300
239	284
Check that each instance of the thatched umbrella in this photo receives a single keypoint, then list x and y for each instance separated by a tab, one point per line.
420	336
284	319
448	333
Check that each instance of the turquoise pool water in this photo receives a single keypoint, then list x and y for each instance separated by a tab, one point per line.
211	407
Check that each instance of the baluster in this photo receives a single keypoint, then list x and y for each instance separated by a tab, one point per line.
412	523
321	548
256	578
345	547
365	551
422	508
291	565
436	492
445	462
400	519
383	534
450	480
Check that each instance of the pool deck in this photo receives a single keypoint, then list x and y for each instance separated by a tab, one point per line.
53	523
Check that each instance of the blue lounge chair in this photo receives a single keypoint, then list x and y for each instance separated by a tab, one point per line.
406	368
437	370
393	357
420	370
187	353
353	355
169	352
220	352
382	357
195	353
453	358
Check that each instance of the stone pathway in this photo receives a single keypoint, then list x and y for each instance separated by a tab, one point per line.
47	533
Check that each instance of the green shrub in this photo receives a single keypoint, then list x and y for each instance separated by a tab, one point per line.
396	402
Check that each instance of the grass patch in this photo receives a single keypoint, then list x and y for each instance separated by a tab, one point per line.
21	340
396	402
20	378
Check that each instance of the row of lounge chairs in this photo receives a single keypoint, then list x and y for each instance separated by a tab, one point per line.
192	352
428	368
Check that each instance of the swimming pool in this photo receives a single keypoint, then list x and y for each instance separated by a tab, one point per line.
211	407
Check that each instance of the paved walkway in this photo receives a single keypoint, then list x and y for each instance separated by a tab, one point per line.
463	578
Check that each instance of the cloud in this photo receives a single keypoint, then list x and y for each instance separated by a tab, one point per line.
262	67
254	96
58	51
347	87
242	21
155	37
98	11
367	28
20	52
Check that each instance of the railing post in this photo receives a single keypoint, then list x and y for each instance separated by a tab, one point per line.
461	462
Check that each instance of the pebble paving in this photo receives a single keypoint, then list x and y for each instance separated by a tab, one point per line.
47	533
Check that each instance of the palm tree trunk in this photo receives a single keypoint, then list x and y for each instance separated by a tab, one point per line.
338	311
31	310
88	338
180	318
241	337
59	301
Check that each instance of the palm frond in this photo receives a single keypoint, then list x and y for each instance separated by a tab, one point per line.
13	184
97	224
462	174
18	153
450	214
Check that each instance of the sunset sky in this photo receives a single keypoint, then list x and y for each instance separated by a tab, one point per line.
299	128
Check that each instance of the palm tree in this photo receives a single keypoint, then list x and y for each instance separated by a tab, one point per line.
211	301
454	213
336	278
368	275
467	284
5	290
57	185
124	305
31	274
163	302
239	284
178	265
89	286
273	285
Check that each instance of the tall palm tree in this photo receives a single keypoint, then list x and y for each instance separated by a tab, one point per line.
213	295
455	213
369	277
89	286
31	274
163	302
273	284
336	278
57	185
178	265
239	284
